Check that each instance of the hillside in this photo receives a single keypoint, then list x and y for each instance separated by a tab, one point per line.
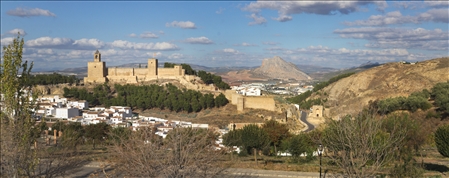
277	68
351	94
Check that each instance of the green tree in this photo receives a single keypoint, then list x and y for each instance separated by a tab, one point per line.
301	144
254	139
277	132
98	133
442	140
17	124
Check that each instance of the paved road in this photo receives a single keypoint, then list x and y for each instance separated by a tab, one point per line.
93	169
304	119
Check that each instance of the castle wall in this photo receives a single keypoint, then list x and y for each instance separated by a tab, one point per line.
167	72
260	102
140	72
120	71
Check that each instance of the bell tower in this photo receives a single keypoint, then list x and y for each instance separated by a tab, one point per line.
97	56
96	70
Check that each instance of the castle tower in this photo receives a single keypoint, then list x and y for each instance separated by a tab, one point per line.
97	56
152	67
96	70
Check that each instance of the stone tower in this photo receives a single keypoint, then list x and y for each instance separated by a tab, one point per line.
96	70
152	67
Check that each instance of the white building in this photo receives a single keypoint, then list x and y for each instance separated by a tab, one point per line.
66	112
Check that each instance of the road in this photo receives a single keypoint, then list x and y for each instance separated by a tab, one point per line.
94	169
304	119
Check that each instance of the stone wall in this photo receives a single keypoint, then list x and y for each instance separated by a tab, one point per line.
260	102
253	102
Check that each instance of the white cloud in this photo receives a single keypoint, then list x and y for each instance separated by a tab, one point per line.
16	31
283	18
144	46
435	15
49	42
437	4
176	56
390	18
257	20
148	35
182	24
88	43
20	12
6	41
245	44
132	35
287	8
418	38
230	51
199	40
45	51
395	17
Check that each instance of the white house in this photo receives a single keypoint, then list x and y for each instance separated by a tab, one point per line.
66	112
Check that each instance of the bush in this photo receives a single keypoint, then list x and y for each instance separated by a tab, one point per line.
442	140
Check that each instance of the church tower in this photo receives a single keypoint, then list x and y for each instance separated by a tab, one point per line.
96	70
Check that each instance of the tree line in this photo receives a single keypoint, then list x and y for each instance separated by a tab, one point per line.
52	79
188	69
148	97
439	94
209	78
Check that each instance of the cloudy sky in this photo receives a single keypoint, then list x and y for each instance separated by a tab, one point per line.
335	34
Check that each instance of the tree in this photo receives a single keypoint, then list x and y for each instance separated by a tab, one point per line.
19	156
254	138
185	152
17	159
97	132
360	146
276	131
442	140
300	144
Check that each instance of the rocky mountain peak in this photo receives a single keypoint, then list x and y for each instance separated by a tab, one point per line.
278	68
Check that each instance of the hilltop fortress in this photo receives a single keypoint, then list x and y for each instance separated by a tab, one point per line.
97	72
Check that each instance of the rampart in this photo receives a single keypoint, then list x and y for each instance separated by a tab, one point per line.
253	102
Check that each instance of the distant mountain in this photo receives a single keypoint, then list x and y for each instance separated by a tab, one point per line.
277	68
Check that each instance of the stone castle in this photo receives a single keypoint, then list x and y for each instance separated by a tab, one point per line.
97	72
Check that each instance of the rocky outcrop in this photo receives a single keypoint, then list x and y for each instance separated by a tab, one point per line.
277	68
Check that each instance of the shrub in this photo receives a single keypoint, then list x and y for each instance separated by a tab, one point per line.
442	140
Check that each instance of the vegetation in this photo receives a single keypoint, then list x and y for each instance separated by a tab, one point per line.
188	69
417	100
206	77
20	153
52	79
148	97
360	145
209	78
186	152
302	98
442	140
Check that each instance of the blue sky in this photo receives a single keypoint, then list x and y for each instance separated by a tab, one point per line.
336	34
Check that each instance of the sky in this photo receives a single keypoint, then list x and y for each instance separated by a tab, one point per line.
337	34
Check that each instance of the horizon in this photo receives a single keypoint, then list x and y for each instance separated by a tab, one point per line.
335	34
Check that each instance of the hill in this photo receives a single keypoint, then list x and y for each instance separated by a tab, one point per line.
351	94
277	68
